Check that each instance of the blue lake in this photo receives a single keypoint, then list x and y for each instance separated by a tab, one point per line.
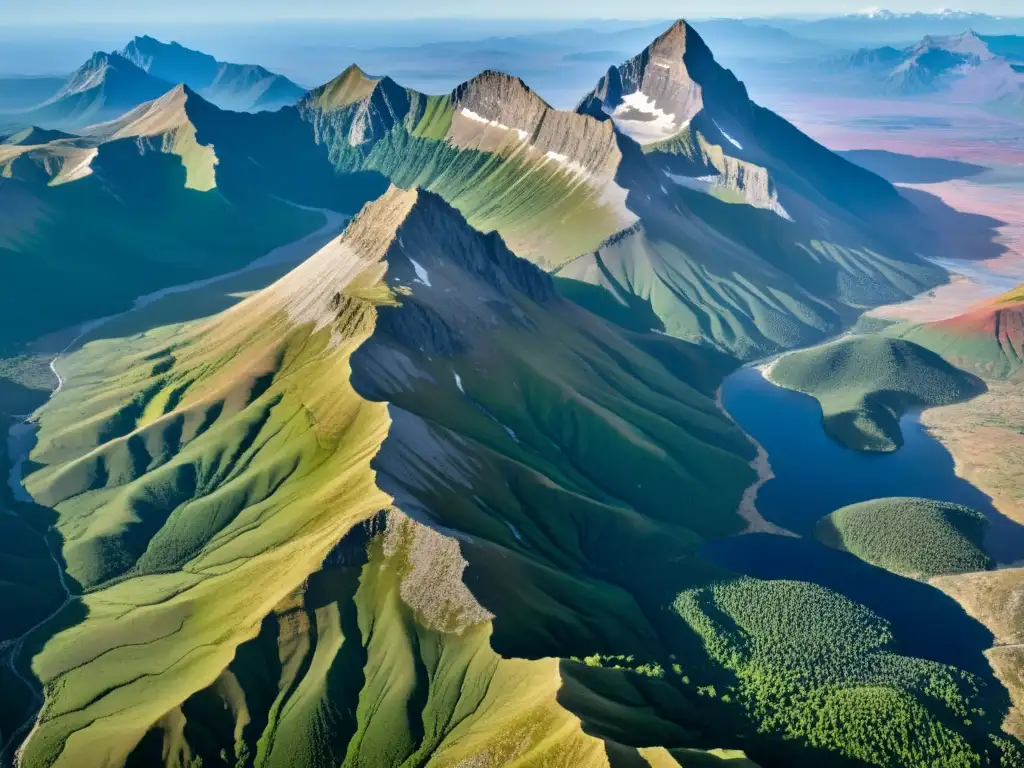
814	476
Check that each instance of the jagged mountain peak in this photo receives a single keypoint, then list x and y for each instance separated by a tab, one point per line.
239	87
501	98
969	42
425	251
351	86
159	58
95	71
654	95
152	117
418	228
499	83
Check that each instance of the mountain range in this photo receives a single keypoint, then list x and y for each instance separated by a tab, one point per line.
239	87
443	493
109	84
967	67
660	202
878	26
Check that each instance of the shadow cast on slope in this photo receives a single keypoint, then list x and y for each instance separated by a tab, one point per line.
956	234
911	169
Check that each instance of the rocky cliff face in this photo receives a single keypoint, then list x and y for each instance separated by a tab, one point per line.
495	109
355	109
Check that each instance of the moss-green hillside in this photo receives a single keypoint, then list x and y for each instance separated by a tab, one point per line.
202	474
407	506
803	660
919	538
866	383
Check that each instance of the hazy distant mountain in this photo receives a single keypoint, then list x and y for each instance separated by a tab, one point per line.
109	84
18	93
877	26
964	66
242	87
105	87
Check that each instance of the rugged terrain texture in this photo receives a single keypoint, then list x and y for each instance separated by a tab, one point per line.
918	538
988	340
730	228
370	516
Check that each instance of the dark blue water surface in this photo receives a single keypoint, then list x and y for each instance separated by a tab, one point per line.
814	476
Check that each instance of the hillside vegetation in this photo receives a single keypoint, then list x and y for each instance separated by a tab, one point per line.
408	506
866	383
988	340
801	659
219	487
919	538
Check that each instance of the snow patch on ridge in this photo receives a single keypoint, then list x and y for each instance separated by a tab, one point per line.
705	184
422	276
657	124
523	135
570	164
458	382
728	138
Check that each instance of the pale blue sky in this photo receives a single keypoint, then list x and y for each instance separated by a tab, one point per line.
69	11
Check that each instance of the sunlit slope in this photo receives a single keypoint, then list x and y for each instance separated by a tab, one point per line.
866	383
189	510
103	88
206	472
89	223
492	148
409	506
733	229
802	659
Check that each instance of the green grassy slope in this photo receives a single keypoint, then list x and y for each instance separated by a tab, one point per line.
500	176
408	506
866	383
752	237
912	537
191	467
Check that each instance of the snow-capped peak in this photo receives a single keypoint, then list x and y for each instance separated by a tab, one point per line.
875	13
883	14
